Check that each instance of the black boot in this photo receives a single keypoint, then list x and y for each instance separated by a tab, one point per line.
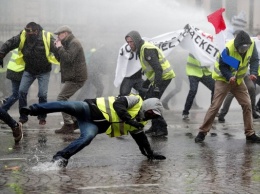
161	127
61	162
221	118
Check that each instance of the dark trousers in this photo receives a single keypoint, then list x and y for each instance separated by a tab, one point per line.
158	124
194	83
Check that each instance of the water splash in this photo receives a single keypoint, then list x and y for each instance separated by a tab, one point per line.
46	166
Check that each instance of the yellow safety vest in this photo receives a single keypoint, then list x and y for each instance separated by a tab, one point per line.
117	127
46	36
168	72
194	68
243	66
12	63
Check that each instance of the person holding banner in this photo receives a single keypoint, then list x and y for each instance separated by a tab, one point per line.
230	69
196	74
158	71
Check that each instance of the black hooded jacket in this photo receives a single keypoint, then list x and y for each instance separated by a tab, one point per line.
241	39
151	55
34	54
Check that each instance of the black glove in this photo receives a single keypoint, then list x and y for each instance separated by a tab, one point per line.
135	124
1	62
146	84
145	148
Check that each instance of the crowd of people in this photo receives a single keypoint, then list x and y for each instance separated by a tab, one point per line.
33	52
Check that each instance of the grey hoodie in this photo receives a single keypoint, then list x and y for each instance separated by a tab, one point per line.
152	104
137	39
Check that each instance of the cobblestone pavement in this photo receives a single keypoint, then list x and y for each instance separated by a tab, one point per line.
224	163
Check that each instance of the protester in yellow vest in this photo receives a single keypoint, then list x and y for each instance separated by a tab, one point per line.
252	94
14	73
4	87
196	74
114	116
229	71
35	51
158	71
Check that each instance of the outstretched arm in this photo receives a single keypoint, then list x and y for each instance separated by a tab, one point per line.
144	146
121	105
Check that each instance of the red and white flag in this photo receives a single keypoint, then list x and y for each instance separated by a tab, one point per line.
217	20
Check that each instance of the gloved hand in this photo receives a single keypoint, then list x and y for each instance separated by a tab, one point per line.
146	84
155	156
135	124
156	91
1	62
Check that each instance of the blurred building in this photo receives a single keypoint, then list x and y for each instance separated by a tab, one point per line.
233	7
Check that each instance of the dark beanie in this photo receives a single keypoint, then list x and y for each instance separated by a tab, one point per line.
33	26
241	39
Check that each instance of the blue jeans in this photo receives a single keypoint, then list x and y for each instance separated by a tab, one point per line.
78	109
14	97
26	82
7	118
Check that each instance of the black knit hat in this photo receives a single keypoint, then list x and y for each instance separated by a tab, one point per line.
32	25
242	38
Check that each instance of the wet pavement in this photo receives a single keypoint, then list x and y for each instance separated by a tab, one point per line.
224	163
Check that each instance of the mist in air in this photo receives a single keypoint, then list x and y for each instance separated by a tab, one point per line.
107	22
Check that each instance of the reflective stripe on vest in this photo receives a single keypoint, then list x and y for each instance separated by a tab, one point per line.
168	72
46	36
243	66
117	127
194	68
12	62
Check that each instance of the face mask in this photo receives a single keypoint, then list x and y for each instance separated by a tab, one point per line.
31	37
243	48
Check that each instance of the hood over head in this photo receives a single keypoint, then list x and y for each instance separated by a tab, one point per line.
136	38
242	40
153	104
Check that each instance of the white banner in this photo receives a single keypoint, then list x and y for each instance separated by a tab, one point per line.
193	40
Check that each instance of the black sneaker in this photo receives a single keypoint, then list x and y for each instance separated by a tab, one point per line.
221	118
253	138
61	162
200	137
160	133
